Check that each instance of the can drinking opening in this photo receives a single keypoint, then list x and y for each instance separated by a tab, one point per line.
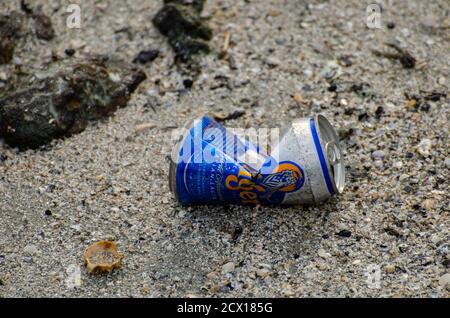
333	154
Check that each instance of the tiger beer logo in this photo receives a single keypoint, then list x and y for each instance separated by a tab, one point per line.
254	187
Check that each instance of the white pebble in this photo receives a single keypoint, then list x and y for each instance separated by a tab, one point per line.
424	147
30	249
228	268
378	154
321	252
398	165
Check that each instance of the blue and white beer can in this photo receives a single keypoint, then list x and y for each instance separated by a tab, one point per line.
212	164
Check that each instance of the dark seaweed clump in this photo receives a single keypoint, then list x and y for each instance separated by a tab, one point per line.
180	22
61	100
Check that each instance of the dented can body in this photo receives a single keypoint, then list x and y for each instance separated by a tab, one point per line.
212	164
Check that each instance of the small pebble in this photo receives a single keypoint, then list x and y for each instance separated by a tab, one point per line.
146	56
428	204
263	272
30	249
344	233
228	268
322	253
398	165
378	154
389	269
390	25
424	147
188	83
69	52
379	164
447	162
272	62
444	281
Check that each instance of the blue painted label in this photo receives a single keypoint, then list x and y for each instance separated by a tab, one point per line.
212	169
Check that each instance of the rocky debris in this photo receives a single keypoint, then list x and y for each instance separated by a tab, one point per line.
13	26
102	256
180	22
62	99
421	101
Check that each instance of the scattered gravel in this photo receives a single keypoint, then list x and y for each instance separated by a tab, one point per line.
110	182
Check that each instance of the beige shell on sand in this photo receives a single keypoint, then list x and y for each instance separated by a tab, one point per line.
102	257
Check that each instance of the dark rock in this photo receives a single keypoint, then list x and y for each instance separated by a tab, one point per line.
390	25
188	83
25	7
408	189
425	107
332	87
236	233
60	101
48	212
146	56
12	26
180	22
69	52
392	231
344	233
43	27
363	116
379	111
349	111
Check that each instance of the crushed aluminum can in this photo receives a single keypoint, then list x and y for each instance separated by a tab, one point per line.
214	165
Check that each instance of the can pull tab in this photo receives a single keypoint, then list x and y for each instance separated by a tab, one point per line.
333	152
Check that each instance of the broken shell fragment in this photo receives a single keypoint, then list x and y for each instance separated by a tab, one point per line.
102	257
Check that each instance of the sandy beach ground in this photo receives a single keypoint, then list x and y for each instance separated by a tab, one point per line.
386	235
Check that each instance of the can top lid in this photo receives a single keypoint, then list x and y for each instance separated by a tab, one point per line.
333	154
